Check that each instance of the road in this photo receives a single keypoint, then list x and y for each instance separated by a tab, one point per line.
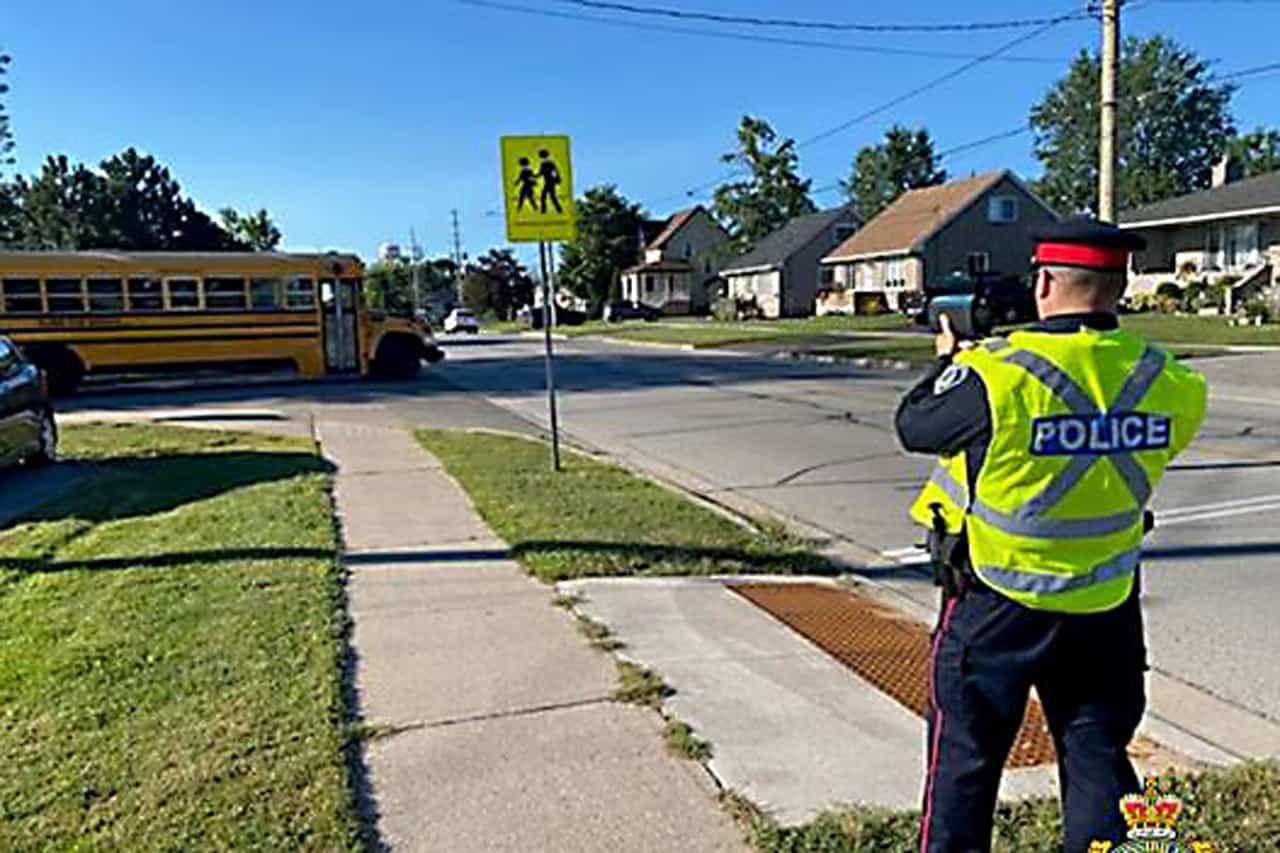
813	443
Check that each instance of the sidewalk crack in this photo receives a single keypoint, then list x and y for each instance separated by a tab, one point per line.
391	730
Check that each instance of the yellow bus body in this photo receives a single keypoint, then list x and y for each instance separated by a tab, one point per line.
112	311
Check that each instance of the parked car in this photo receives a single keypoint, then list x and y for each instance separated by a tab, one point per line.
617	312
532	317
28	432
461	320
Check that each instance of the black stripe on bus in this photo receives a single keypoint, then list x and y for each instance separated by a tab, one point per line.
167	327
168	339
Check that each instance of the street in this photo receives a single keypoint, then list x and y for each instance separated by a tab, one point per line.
814	443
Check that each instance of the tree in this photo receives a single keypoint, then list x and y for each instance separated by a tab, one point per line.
131	202
771	194
497	284
606	243
904	161
1174	123
6	131
255	230
1255	153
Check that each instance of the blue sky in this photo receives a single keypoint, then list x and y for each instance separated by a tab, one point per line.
352	122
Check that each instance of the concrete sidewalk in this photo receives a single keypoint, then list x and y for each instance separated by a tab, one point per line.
501	731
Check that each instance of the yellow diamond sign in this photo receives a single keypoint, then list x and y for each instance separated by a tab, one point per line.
537	179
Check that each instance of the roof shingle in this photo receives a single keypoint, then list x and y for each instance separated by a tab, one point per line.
914	217
1254	193
774	249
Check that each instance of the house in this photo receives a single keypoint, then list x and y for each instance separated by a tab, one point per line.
780	273
1227	234
978	224
680	264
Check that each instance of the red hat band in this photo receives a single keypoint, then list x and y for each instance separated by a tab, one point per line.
1076	255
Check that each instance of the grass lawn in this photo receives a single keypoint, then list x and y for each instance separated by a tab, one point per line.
1238	810
1173	329
711	333
597	519
170	646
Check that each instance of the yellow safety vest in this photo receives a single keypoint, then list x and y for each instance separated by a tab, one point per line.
1083	427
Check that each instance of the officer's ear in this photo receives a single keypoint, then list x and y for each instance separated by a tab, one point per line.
1044	284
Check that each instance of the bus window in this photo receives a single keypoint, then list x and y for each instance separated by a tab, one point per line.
224	294
106	295
145	294
21	295
184	294
300	294
64	294
264	294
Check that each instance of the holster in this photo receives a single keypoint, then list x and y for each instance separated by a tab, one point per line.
949	553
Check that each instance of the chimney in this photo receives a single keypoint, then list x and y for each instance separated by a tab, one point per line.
1226	171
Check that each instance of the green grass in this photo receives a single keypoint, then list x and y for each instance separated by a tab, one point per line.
1237	809
702	333
596	519
170	647
1173	329
683	742
640	686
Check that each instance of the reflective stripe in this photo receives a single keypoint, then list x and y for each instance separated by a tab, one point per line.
1055	379
1052	494
1035	526
1043	584
1134	476
1140	381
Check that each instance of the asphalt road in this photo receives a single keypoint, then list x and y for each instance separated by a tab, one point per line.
813	442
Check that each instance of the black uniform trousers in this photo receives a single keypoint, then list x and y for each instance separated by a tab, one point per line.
1088	671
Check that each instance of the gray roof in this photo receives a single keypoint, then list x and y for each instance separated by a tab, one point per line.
774	249
1250	195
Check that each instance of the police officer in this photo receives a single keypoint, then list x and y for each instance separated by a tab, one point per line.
1050	443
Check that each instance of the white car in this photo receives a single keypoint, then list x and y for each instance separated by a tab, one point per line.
460	320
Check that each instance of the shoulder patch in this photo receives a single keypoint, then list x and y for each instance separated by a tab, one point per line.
950	378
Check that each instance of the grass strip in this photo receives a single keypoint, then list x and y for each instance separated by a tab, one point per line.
170	651
702	334
1167	329
1237	809
640	686
595	519
683	742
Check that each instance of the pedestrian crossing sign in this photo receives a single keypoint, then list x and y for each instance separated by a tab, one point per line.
537	183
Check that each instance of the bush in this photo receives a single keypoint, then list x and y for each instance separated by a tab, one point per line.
1169	290
1258	309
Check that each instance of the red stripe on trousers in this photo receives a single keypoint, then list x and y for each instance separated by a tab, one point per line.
937	725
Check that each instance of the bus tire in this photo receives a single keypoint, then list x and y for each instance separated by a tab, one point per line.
62	368
399	358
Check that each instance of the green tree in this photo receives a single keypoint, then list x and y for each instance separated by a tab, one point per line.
497	285
131	202
1255	153
773	191
606	243
906	160
255	230
6	129
1174	123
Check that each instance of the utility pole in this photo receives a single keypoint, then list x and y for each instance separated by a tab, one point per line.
457	240
415	255
1109	141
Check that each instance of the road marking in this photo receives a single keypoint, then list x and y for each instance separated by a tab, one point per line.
1232	504
1209	516
1254	400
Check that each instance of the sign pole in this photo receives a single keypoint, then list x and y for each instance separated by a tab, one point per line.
547	297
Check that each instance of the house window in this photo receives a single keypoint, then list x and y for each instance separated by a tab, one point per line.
895	276
826	276
648	284
978	263
1002	210
841	233
688	250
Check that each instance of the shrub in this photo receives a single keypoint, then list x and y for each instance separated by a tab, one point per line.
1169	290
1258	309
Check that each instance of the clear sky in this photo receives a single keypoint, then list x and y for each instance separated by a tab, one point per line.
354	121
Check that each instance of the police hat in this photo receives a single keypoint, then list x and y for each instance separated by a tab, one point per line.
1087	243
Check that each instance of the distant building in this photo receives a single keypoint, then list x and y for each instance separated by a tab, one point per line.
974	225
1227	233
781	273
681	263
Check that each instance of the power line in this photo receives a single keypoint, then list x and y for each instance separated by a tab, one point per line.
792	23
753	38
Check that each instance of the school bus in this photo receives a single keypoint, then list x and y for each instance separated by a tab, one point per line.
106	311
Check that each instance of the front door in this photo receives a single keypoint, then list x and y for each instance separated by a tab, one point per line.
338	304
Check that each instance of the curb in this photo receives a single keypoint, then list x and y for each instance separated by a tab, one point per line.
865	362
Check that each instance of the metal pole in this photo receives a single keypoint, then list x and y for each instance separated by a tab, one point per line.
1108	143
551	372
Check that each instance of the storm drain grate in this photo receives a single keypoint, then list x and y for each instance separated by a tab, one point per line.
888	650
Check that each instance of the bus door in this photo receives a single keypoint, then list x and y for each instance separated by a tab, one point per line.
338	308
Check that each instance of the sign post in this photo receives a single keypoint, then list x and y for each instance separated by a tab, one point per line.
537	184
